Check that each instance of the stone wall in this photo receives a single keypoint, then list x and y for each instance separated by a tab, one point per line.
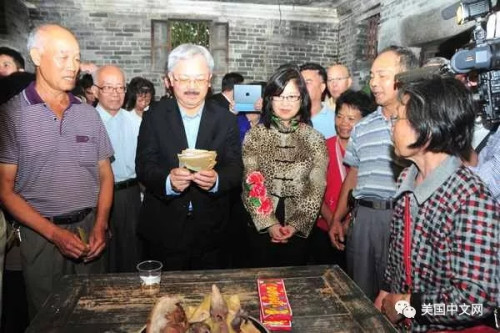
416	23
258	48
17	24
353	31
411	23
261	37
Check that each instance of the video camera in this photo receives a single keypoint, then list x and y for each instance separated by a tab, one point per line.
481	55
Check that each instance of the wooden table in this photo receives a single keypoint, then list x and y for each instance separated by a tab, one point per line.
323	299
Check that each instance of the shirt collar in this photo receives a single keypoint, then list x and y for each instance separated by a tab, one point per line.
33	97
105	115
184	115
227	98
379	113
437	177
324	108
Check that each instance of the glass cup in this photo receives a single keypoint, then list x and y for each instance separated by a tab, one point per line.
150	274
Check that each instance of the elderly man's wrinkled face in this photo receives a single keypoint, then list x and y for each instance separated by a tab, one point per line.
58	61
338	80
190	80
7	65
110	88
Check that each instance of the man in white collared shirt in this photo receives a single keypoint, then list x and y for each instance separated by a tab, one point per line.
109	87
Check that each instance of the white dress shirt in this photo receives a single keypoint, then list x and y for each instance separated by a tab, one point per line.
122	131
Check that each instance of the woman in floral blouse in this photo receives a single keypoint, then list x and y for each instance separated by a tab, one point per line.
285	163
443	271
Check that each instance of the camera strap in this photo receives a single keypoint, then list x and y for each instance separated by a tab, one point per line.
483	143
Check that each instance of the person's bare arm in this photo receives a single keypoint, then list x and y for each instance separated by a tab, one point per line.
97	239
326	212
336	228
68	243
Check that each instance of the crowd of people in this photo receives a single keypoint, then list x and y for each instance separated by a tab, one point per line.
387	186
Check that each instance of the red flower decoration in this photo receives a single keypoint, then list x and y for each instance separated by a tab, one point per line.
266	207
257	193
258	190
255	178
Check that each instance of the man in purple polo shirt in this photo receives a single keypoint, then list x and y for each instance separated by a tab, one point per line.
55	173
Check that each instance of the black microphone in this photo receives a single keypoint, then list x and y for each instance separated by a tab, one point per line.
450	11
422	73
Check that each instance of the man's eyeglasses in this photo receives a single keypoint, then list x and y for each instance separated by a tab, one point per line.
290	98
186	81
110	89
335	79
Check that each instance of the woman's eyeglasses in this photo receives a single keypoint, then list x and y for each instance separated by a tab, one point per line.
289	98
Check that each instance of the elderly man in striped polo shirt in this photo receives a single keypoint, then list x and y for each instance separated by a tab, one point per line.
55	173
372	177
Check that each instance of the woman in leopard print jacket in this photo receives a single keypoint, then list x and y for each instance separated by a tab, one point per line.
285	163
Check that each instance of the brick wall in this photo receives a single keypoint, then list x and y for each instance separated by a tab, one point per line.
17	25
412	23
258	48
261	37
353	31
415	23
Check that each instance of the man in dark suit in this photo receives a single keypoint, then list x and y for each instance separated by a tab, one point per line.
226	97
184	216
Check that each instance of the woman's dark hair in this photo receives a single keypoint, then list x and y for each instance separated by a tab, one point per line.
137	86
275	87
260	83
86	81
442	112
356	99
83	83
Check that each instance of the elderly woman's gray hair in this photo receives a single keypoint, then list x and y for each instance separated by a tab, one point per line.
188	51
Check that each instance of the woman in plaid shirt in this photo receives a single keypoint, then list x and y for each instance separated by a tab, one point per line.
450	278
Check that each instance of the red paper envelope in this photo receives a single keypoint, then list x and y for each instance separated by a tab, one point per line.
274	303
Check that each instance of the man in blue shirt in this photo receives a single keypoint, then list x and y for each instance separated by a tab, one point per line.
109	88
322	117
372	178
185	214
